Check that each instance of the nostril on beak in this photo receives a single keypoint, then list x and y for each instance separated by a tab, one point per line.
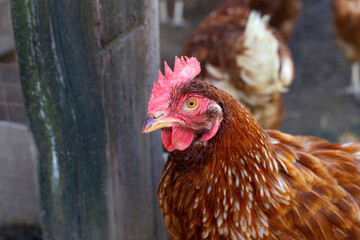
157	115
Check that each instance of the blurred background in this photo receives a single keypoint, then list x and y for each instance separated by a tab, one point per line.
314	104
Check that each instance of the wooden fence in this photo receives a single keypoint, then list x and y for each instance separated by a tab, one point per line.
86	71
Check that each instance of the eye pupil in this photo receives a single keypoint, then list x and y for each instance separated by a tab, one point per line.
191	103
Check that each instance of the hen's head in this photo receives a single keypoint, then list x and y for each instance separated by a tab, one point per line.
183	107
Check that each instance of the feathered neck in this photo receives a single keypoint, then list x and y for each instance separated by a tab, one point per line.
233	179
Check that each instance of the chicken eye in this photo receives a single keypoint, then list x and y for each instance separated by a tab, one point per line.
190	103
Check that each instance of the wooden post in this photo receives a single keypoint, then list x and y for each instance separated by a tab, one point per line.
86	70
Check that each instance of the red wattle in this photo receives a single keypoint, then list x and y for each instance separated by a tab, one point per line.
181	139
166	137
177	139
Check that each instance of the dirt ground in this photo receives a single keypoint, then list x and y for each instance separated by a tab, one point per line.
314	105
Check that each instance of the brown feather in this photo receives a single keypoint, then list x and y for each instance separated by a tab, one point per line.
246	183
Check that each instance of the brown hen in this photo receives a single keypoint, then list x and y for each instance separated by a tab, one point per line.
347	25
226	178
244	56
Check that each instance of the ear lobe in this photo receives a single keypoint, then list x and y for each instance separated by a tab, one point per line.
218	118
208	135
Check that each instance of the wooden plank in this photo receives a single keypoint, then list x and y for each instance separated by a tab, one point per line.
153	56
132	200
118	17
86	104
60	87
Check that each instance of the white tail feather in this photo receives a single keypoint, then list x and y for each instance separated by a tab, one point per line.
260	63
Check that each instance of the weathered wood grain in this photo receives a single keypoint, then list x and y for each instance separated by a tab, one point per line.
85	71
119	17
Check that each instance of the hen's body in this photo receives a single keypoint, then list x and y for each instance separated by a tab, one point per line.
242	55
245	183
284	13
347	25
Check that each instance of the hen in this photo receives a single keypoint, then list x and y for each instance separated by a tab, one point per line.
347	25
284	13
241	54
226	178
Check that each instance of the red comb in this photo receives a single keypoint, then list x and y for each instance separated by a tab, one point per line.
185	69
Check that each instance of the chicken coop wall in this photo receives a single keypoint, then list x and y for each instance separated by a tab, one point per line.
86	71
11	102
6	42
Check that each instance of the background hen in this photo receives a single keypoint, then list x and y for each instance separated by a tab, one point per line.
284	13
241	54
347	25
226	178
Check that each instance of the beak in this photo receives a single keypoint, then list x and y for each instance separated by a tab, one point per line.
152	124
